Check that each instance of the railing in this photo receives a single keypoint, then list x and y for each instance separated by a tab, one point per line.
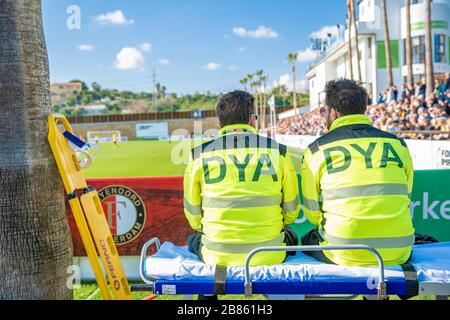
381	285
424	134
153	116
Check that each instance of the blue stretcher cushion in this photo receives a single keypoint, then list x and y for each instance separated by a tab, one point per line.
300	274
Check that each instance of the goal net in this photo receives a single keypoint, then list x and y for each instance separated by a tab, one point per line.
103	136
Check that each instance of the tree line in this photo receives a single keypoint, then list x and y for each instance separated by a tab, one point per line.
118	102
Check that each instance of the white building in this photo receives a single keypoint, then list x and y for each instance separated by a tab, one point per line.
333	61
95	110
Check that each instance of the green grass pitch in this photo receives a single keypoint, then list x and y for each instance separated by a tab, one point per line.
139	159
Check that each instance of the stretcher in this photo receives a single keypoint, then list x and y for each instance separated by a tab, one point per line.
174	270
71	156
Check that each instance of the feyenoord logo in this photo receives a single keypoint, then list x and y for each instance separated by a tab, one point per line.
125	212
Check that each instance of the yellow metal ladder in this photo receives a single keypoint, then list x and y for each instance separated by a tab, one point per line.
89	215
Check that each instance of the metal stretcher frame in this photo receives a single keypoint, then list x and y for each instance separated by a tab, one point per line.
381	284
273	288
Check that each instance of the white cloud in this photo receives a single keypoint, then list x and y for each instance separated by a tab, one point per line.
323	33
242	49
261	32
129	59
233	68
212	66
307	55
116	17
286	80
86	47
146	47
164	61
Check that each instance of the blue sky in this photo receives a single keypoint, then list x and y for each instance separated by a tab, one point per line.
194	45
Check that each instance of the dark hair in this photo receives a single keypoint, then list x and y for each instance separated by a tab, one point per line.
235	108
346	96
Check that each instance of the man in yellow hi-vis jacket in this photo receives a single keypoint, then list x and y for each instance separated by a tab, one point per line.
241	190
356	182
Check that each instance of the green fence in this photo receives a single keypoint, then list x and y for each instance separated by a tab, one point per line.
430	205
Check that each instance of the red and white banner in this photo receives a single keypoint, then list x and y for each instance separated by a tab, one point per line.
137	210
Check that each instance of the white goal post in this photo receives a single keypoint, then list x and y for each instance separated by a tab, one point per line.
103	136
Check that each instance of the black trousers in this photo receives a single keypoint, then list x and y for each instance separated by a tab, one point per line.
313	238
195	242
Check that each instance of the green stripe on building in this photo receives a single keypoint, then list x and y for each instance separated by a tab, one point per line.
437	24
381	54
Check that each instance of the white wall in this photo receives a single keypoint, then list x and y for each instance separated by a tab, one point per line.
429	155
130	265
426	154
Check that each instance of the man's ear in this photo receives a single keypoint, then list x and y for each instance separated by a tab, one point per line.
334	114
251	121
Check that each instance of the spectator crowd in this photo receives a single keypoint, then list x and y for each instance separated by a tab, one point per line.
409	114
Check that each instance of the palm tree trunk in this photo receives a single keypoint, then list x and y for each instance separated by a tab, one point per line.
409	64
387	41
256	108
263	109
294	89
263	96
35	241
350	48
428	49
358	54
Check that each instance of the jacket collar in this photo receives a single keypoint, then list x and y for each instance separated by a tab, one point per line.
348	120
236	128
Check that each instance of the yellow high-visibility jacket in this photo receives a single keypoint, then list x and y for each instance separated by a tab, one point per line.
356	182
240	190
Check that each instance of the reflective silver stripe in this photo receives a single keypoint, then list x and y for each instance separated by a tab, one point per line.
240	202
241	248
380	243
291	205
311	205
194	210
366	191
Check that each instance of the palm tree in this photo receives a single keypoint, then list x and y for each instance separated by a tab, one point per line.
292	59
387	44
259	74
244	81
256	84
350	47
409	64
35	241
282	92
355	26
428	49
264	79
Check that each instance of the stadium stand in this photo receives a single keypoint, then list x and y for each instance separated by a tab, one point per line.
409	115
